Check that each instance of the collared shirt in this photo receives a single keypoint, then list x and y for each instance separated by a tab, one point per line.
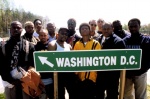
104	39
81	46
35	34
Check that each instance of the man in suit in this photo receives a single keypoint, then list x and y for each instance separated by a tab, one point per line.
108	80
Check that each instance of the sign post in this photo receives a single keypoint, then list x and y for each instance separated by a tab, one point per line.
55	85
122	83
93	60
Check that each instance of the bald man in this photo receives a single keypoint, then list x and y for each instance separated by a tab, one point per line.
51	31
47	78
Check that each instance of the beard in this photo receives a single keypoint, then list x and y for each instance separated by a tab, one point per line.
29	34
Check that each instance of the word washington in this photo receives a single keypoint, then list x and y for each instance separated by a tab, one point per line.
86	61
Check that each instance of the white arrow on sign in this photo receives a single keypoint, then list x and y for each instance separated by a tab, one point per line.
44	60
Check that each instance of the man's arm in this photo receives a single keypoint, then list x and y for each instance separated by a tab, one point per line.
70	47
52	46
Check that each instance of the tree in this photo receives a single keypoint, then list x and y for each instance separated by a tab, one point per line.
9	14
125	27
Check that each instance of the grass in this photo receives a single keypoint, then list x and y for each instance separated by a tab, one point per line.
2	96
148	92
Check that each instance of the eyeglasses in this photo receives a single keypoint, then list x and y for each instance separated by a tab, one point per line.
100	21
93	25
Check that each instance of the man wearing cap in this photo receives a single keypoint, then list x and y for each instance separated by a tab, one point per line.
60	45
29	28
73	36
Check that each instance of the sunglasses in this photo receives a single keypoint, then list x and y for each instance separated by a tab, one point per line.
100	21
93	25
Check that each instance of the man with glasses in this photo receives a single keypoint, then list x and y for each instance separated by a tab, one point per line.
93	31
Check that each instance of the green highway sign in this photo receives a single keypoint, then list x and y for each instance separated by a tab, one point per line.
87	60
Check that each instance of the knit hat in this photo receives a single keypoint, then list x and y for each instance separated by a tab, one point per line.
84	24
28	23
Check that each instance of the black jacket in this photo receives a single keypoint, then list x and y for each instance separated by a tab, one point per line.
139	41
43	47
113	42
6	59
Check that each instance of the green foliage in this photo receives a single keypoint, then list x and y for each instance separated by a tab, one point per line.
9	14
2	96
125	27
144	28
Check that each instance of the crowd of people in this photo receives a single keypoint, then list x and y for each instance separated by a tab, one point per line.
22	81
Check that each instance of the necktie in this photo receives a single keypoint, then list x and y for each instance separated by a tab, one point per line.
104	41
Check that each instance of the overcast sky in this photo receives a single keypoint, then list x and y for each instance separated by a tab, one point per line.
59	11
